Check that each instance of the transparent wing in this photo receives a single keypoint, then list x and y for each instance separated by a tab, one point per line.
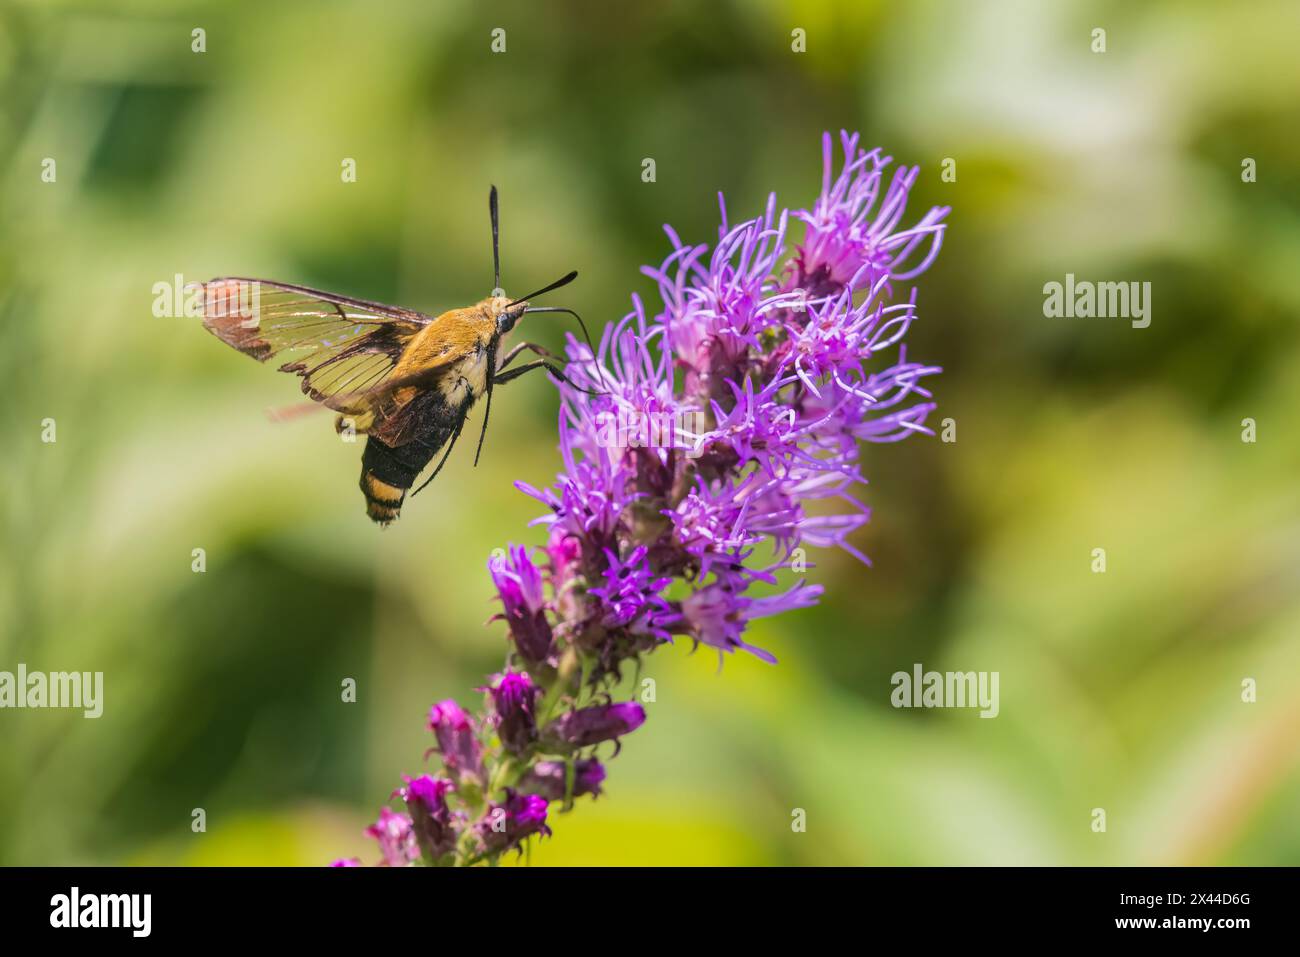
338	345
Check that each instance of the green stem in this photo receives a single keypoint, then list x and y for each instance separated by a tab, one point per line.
569	663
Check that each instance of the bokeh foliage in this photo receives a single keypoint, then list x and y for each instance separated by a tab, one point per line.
1119	690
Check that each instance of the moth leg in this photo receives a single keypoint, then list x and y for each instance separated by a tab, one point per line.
450	445
487	411
514	354
501	378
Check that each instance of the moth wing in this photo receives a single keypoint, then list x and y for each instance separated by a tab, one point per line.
398	410
340	346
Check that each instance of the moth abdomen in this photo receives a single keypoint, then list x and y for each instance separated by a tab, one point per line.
387	472
383	501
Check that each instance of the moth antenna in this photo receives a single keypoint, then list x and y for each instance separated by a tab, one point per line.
562	281
496	238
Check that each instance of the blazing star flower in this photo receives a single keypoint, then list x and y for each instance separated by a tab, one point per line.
630	593
519	583
547	778
431	820
508	824
513	699
849	233
457	740
718	613
396	837
706	442
578	729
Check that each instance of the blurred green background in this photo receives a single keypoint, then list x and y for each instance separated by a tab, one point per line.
1119	690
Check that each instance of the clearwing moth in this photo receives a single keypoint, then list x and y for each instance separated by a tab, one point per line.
405	380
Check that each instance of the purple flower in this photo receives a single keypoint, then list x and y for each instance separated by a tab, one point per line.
630	593
345	862
513	699
431	819
396	838
718	613
578	729
851	238
565	552
509	823
519	583
547	778
457	739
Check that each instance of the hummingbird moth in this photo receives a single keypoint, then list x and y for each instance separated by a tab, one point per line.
405	380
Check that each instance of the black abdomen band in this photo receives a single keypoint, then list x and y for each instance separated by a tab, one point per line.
397	467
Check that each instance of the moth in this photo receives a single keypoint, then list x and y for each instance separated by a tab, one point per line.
404	379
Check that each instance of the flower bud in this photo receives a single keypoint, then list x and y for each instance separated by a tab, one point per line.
461	753
547	779
431	820
519	583
396	838
513	699
507	824
578	729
